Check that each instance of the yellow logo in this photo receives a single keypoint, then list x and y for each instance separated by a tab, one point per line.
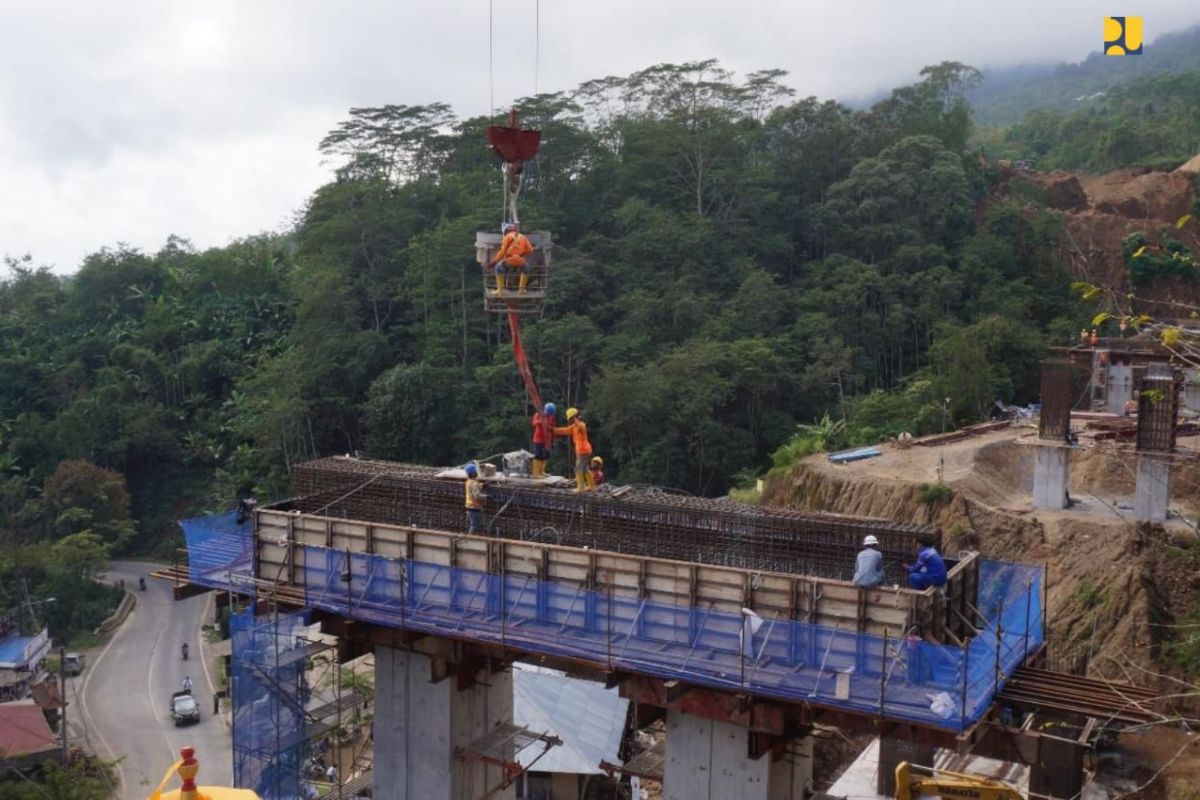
1122	36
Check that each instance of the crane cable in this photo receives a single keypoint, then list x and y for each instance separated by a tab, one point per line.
491	67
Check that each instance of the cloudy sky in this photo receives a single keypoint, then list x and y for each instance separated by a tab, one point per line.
129	120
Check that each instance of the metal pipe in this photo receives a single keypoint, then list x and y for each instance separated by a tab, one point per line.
883	671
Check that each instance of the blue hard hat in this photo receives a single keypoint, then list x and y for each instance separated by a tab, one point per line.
550	410
506	227
472	470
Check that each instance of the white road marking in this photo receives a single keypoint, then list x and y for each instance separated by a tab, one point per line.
150	697
91	725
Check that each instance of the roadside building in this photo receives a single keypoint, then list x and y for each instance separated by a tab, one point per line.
21	660
587	717
25	736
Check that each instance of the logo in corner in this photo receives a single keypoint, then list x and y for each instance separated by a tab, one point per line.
1122	36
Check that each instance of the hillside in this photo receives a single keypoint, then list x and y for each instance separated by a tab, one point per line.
1107	217
1006	95
1152	121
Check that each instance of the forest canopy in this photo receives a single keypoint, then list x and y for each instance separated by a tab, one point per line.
731	262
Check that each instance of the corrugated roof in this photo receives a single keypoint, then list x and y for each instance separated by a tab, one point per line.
23	729
17	651
586	716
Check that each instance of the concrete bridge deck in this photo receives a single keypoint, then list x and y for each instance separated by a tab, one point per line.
730	651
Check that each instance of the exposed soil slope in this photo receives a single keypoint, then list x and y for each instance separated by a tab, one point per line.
1101	210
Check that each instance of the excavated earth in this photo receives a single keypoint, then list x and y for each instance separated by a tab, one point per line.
1101	210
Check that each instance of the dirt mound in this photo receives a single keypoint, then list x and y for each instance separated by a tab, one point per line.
1066	194
1191	166
1140	194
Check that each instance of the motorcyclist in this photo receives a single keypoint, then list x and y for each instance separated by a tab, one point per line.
141	584
187	683
184	650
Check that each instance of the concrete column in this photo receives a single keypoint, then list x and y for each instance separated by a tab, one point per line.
1050	474
419	724
1153	488
891	752
1058	771
709	760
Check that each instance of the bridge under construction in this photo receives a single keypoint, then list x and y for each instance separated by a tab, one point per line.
737	623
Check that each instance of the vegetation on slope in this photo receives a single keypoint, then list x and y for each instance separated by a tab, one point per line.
1006	95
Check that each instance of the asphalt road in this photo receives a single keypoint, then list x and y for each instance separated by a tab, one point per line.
120	705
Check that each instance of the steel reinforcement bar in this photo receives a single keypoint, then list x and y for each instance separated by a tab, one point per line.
639	522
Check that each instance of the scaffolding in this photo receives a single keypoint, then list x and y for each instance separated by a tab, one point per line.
290	711
898	677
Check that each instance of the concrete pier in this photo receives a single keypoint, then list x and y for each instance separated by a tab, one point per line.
419	724
893	750
1153	489
710	760
1051	472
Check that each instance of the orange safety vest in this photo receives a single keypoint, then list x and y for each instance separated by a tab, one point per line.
471	489
513	249
578	433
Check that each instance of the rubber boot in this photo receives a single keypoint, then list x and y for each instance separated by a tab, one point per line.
499	283
539	468
580	481
523	282
591	481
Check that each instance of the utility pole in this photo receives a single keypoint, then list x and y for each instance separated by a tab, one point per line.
62	720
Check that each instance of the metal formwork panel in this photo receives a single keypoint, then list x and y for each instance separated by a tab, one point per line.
1055	421
1158	408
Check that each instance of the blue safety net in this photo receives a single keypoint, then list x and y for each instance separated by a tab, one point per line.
218	545
903	678
896	677
269	693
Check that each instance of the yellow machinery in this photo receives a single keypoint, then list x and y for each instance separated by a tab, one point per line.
949	784
187	767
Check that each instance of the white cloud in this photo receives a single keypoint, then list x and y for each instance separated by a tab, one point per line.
127	122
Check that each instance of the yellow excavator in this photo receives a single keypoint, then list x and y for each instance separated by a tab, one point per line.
187	767
938	783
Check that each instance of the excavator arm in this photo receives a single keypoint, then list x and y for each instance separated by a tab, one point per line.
949	784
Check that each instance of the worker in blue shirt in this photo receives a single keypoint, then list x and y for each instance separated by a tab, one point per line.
929	569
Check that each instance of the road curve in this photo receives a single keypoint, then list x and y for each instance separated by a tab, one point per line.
120	704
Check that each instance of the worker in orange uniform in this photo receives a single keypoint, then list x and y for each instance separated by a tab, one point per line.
576	428
543	438
597	475
511	256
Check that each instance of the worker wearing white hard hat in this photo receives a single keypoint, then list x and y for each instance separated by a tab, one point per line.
868	568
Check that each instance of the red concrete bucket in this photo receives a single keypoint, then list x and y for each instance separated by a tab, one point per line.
514	144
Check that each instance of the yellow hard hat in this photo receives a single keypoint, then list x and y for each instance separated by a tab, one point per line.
572	413
598	461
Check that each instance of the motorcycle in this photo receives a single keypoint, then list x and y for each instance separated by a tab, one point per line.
184	650
141	584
